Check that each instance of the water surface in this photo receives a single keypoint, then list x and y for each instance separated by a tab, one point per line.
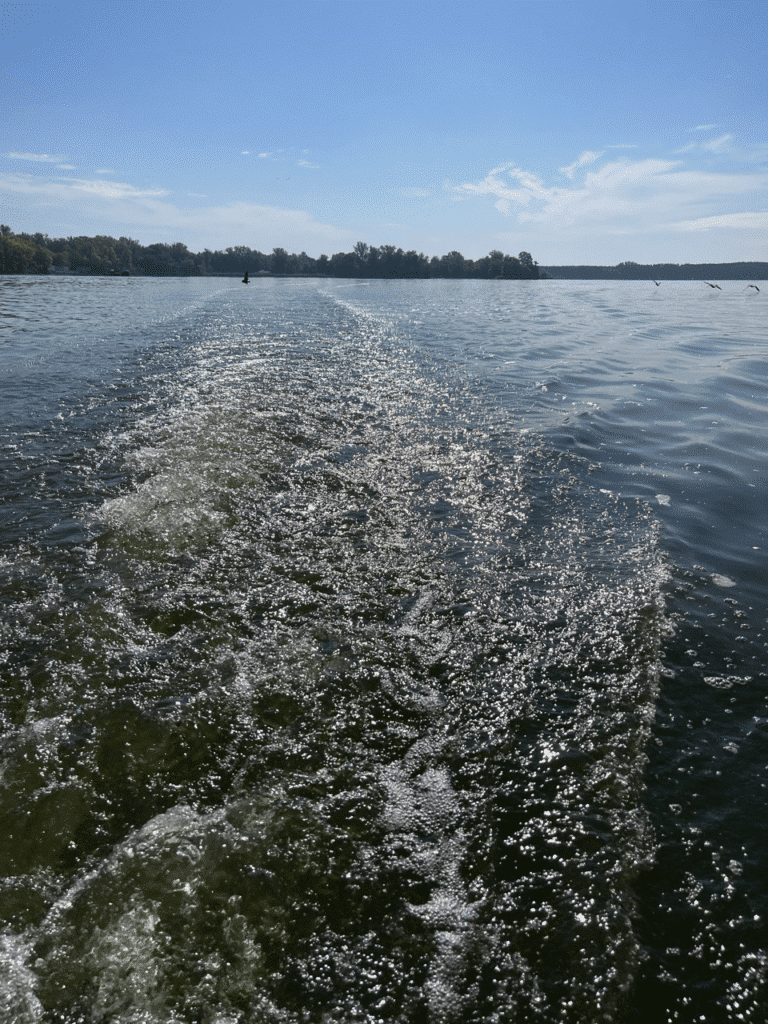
382	651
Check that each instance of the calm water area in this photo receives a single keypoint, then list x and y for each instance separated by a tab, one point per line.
383	652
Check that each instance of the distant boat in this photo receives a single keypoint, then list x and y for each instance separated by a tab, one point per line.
245	279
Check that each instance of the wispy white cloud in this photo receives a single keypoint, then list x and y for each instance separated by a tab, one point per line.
750	221
526	186
725	145
584	160
704	128
67	189
107	207
721	145
66	167
626	197
104	170
113	189
306	163
38	158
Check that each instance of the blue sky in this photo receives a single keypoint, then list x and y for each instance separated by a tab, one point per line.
581	132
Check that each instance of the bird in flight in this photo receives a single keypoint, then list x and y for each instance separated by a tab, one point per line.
657	283
753	286
714	286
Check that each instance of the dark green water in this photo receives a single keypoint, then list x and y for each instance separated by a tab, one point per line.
381	652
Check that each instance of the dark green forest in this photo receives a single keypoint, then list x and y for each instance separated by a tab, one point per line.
630	271
39	254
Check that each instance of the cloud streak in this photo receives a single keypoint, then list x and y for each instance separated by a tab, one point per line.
38	158
584	160
721	145
748	221
67	189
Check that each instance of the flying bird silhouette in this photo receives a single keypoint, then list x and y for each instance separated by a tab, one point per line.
657	283
753	286
714	286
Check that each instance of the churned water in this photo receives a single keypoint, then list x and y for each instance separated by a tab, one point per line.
382	651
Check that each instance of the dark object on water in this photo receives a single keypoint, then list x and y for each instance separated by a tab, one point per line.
245	279
714	286
753	286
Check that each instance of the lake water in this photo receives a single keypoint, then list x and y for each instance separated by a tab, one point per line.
383	651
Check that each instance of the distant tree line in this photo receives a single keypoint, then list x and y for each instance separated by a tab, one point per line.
630	271
39	254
